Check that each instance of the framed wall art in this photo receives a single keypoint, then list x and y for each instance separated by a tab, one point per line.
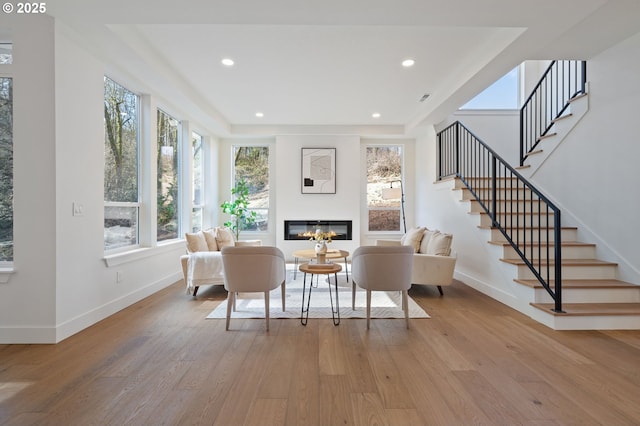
318	170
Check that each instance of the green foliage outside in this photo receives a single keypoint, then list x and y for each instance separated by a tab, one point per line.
238	208
251	165
6	169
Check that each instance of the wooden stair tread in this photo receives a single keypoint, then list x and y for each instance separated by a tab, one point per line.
515	213
537	244
566	262
562	117
604	283
547	136
520	228
591	309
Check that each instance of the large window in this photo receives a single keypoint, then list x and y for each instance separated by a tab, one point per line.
6	170
503	94
197	198
121	147
384	170
168	185
251	164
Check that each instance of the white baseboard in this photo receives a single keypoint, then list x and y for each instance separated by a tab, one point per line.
49	335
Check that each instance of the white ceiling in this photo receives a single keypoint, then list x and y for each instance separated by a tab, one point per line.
331	64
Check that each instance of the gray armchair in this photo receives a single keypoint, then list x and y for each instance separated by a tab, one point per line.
253	269
384	268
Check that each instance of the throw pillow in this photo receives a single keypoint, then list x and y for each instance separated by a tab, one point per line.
413	237
440	244
426	237
210	238
196	242
224	238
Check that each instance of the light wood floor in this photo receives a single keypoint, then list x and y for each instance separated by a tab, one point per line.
474	362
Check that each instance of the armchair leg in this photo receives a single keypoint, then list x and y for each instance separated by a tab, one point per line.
266	308
283	291
195	291
368	308
230	301
353	295
440	290
405	306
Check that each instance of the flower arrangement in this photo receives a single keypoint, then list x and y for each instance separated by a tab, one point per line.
320	235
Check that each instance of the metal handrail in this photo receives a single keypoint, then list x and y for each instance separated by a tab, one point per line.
561	82
529	221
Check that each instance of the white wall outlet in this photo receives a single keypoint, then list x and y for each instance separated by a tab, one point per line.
78	209
119	276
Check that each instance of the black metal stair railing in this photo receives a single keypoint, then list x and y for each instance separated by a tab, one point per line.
561	82
528	220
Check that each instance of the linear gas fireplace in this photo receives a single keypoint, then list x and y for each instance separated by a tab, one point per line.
304	229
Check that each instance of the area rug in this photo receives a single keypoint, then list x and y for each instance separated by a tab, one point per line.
383	304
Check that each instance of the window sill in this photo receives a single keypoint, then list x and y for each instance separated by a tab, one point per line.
141	253
5	274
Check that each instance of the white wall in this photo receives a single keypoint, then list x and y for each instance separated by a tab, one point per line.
62	283
291	204
593	175
27	300
500	129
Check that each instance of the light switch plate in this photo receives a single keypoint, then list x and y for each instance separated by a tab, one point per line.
78	209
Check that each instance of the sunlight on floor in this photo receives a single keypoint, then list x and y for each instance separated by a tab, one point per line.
9	389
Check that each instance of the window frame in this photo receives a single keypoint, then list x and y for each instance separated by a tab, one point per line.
203	199
269	209
399	208
178	171
137	205
7	265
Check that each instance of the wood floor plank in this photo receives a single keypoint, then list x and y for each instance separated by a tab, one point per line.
368	409
475	361
267	412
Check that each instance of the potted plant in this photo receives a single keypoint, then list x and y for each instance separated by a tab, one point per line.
239	209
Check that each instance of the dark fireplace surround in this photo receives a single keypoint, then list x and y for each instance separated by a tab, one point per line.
303	229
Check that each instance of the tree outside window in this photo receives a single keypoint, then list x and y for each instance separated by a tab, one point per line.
384	165
121	195
251	164
168	185
6	170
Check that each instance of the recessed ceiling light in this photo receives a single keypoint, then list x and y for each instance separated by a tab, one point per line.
259	114
375	115
228	62
408	63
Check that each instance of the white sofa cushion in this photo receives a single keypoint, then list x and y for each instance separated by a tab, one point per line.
413	237
439	244
210	238
426	237
196	242
224	238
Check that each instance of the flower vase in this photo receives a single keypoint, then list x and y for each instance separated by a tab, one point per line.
321	247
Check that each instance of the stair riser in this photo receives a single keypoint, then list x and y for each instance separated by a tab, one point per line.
568	252
518	220
569	272
590	295
483	193
565	234
479	183
509	207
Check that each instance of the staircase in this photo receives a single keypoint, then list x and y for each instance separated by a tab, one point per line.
593	298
